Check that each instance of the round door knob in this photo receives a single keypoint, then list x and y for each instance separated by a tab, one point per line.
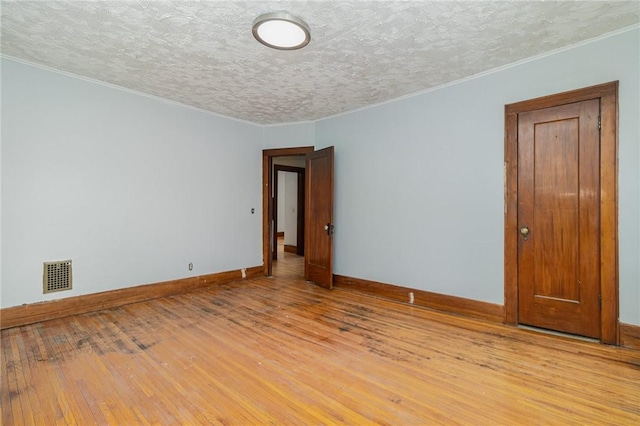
524	231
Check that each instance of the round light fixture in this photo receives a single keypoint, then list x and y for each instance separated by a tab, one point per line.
280	30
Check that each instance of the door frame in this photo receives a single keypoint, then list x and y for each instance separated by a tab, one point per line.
608	95
267	199
300	205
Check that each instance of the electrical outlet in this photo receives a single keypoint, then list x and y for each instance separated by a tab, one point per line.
190	266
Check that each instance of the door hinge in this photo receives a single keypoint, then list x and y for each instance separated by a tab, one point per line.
599	123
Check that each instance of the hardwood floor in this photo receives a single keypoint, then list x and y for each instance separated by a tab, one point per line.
288	265
283	351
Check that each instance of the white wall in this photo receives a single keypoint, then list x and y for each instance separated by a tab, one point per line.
287	194
129	187
284	222
419	182
288	135
282	194
291	209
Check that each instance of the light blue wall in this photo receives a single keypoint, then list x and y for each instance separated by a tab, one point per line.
129	187
288	135
133	188
419	182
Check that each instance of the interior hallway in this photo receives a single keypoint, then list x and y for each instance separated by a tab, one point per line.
288	265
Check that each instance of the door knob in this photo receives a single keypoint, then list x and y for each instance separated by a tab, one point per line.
525	232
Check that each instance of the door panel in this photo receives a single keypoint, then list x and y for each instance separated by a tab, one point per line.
318	266
558	218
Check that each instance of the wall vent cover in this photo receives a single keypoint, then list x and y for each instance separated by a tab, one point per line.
56	276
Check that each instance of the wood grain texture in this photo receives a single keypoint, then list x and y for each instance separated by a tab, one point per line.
511	218
318	248
559	205
630	336
608	95
43	311
283	351
593	92
253	272
301	217
267	212
273	243
609	213
440	302
291	249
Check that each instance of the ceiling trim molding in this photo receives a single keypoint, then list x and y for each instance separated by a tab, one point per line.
366	107
126	89
487	72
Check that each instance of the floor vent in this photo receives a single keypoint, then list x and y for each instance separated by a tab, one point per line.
56	276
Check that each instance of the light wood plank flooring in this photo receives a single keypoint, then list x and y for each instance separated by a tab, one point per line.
283	351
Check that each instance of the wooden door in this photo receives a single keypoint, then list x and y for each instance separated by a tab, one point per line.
301	214
559	218
274	203
318	262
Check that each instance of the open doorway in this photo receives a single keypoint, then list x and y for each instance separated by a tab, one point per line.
289	161
318	218
289	204
287	264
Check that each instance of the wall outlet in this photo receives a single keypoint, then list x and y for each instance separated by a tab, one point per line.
190	266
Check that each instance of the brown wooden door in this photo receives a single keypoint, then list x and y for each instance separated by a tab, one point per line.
318	262
559	218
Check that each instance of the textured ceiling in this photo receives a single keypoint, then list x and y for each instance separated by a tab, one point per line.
361	52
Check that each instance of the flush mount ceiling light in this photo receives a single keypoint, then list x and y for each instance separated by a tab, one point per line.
280	30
